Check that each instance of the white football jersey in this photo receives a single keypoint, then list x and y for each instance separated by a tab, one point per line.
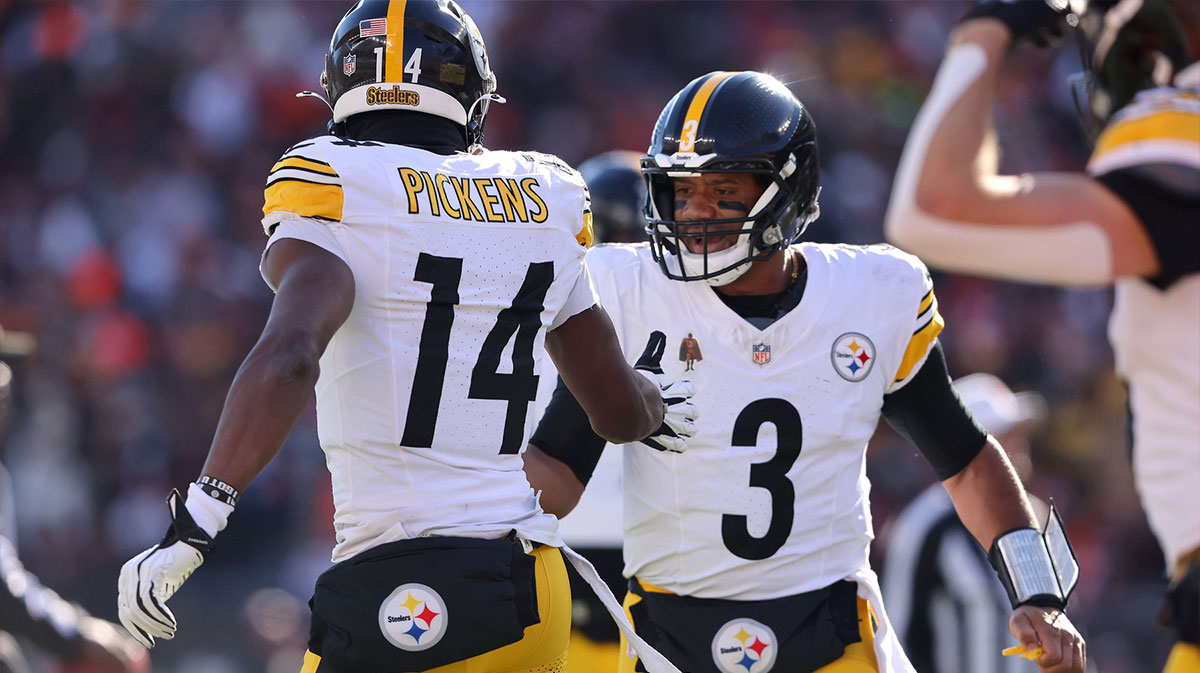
1155	333
771	497
461	263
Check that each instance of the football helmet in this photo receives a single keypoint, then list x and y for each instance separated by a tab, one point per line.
417	55
618	193
1131	45
731	122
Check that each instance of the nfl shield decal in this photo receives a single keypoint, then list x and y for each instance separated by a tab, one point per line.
853	356
760	353
413	617
349	64
743	645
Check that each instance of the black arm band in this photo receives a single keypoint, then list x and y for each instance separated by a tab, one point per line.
929	413
565	434
219	490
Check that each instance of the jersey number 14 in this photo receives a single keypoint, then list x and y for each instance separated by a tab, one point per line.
522	318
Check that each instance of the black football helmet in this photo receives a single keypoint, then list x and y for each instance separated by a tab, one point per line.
1128	46
417	55
618	193
732	122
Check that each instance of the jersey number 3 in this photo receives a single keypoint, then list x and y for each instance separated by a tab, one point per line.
771	475
522	318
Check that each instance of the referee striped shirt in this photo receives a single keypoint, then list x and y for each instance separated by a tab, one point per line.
943	597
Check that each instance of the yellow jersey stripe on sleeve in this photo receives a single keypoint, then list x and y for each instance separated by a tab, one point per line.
586	235
919	345
926	302
304	198
1168	125
304	164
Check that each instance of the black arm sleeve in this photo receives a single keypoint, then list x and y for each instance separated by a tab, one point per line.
1166	198
565	434
929	413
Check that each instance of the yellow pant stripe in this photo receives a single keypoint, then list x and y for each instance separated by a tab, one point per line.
311	661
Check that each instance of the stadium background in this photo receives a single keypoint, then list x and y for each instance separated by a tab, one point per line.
135	138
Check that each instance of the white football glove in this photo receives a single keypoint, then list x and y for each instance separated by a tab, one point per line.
149	579
679	420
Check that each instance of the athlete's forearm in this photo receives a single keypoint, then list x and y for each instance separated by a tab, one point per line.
268	394
988	495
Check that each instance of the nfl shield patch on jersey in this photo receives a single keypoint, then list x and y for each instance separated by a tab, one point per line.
760	353
853	356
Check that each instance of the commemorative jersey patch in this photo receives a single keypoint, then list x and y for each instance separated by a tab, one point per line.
744	645
413	617
689	352
853	356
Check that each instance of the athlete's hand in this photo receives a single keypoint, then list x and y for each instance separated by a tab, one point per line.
679	418
1039	21
149	579
1063	649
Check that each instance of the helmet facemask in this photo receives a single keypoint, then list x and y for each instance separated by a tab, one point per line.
774	221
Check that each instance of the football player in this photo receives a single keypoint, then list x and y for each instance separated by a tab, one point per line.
417	277
1129	221
618	192
750	550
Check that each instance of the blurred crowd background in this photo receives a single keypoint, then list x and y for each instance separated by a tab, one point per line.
135	138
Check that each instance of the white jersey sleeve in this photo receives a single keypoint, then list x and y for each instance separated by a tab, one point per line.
914	293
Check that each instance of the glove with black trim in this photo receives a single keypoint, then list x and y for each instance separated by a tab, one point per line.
1039	21
679	418
149	579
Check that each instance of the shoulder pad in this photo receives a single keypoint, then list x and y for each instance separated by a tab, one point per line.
553	162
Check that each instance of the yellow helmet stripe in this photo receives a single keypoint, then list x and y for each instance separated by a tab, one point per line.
393	64
691	121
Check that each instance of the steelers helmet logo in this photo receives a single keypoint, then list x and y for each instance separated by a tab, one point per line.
853	356
743	645
413	617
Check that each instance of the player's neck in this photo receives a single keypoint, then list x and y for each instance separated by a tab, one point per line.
402	127
769	276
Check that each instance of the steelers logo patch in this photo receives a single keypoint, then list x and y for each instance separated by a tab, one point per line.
413	617
743	645
853	356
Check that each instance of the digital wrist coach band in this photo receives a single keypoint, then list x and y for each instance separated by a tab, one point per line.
1036	568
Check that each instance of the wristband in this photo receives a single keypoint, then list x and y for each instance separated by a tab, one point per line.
218	489
1036	568
209	513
